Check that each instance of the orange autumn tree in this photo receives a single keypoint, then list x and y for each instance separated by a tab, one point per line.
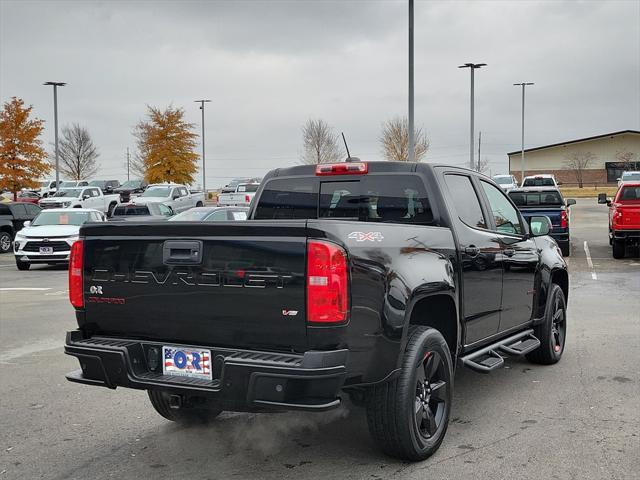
166	146
22	158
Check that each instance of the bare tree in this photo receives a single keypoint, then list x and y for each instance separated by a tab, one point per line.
394	140
320	143
77	153
483	165
578	162
627	158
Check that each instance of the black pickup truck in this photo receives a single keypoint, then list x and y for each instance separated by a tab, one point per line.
367	279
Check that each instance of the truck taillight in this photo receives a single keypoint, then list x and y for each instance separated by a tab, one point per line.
347	168
247	199
75	274
327	291
564	219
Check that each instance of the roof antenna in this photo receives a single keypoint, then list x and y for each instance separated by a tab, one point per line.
349	157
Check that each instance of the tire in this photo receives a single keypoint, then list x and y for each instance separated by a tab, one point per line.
408	416
199	204
110	210
188	414
618	249
565	248
552	332
5	242
22	265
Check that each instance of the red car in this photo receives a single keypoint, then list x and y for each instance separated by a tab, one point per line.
28	197
624	217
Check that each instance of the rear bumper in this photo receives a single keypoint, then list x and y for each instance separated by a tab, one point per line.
627	235
242	380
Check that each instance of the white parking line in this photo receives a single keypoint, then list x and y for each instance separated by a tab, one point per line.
594	276
24	289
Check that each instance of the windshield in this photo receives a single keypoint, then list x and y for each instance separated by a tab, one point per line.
131	184
69	192
45	184
68	184
526	199
128	210
98	183
60	218
157	192
502	180
539	182
630	176
193	215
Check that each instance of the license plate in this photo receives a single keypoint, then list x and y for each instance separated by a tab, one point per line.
46	250
185	362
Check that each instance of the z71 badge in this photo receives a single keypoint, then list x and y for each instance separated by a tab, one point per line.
366	236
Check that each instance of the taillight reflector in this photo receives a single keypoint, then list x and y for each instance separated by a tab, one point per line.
564	219
327	290
247	199
348	168
75	274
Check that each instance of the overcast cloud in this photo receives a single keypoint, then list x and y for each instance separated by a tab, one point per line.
268	66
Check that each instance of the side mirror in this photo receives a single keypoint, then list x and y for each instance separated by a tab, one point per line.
170	212
108	190
27	223
559	183
618	179
602	198
85	196
540	226
570	201
175	196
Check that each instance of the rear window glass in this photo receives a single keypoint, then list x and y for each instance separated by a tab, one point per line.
123	210
630	193
248	188
397	199
527	199
538	182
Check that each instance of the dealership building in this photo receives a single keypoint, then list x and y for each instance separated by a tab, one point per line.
610	154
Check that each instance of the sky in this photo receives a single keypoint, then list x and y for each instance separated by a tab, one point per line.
268	66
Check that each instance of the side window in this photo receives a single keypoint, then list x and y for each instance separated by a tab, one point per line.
218	216
505	215
239	215
19	210
4	209
465	200
32	209
183	192
164	210
288	199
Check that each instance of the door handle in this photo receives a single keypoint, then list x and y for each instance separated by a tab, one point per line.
181	252
472	250
509	252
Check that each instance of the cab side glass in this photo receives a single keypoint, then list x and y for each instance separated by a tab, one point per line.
540	226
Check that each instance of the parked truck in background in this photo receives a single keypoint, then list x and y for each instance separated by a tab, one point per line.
82	197
624	218
241	197
172	195
365	279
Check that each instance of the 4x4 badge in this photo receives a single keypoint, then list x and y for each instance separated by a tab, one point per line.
289	313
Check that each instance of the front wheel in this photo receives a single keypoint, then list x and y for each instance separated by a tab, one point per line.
552	332
5	242
618	249
408	416
199	204
192	413
22	265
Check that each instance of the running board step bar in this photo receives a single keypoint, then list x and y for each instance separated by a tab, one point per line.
489	358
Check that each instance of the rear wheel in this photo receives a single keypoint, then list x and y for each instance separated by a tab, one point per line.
5	242
22	265
618	249
552	332
199	204
408	416
188	412
110	210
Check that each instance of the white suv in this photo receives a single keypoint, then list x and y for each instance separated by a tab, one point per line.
506	182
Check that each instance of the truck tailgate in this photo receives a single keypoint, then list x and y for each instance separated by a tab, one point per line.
228	283
630	219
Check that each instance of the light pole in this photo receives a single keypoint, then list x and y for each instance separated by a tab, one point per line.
523	84
410	126
204	178
472	67
55	122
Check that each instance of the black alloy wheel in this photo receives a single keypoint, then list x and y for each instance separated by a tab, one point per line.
431	394
552	331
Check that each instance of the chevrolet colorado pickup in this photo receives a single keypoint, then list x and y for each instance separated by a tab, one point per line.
624	217
367	279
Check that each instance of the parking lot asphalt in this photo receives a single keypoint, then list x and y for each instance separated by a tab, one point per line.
579	419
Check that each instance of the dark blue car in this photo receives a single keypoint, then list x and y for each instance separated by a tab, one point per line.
547	201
